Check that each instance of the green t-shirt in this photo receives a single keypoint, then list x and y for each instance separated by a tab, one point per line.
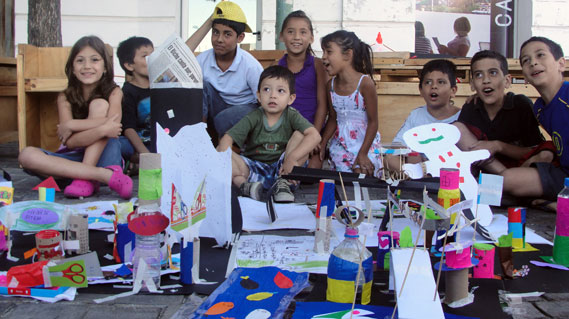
263	143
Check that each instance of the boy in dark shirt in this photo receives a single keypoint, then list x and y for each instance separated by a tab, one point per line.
502	123
132	54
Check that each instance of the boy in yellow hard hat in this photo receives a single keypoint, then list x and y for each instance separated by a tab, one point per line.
231	75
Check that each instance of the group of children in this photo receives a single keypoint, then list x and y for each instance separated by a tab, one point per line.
304	109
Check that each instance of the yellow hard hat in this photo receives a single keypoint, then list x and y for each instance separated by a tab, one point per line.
230	11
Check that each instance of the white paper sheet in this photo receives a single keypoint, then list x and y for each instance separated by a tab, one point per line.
96	212
187	158
292	253
291	216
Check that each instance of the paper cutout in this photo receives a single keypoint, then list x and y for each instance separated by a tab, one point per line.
187	159
437	141
68	274
259	314
248	283
220	308
6	195
282	281
46	194
255	217
40	216
416	300
490	189
11	215
270	298
78	229
259	296
548	264
150	183
47	183
48	244
179	211
148	225
29	275
485	255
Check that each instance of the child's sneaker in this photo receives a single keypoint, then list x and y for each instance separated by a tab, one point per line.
283	194
252	190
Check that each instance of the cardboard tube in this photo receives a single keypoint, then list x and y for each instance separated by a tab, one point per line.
456	285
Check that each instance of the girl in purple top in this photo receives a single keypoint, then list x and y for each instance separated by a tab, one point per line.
310	75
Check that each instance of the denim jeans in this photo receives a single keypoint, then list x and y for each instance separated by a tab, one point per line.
111	155
224	115
126	147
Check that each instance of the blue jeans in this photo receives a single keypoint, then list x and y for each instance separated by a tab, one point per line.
224	115
126	148
111	155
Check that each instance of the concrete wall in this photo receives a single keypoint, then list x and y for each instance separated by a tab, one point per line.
393	18
550	20
112	20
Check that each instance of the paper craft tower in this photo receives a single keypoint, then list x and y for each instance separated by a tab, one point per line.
78	229
324	209
456	266
517	226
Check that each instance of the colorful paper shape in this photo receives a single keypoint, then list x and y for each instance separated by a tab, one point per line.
47	183
69	274
490	189
485	254
46	194
326	197
37	215
6	195
342	279
148	225
230	300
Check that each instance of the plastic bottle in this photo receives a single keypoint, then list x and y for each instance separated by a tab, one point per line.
561	240
148	249
343	268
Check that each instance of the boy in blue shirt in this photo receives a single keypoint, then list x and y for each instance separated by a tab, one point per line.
275	138
132	54
543	64
230	74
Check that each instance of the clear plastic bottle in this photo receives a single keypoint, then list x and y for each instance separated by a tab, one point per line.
560	250
340	271
148	249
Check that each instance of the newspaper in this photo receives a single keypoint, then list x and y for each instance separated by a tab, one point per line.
173	65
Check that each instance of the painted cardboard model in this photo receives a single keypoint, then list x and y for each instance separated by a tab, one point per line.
437	141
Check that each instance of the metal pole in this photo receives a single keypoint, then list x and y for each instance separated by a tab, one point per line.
284	7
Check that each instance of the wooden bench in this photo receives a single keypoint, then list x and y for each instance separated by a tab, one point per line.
40	77
8	100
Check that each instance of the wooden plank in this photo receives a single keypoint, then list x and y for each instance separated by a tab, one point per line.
9	113
48	121
8	136
22	138
52	62
8	90
45	84
8	60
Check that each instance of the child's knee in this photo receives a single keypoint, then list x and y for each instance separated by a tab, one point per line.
98	108
26	157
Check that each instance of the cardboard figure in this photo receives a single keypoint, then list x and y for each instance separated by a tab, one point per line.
437	141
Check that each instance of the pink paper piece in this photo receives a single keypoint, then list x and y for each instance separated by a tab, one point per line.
485	267
544	264
562	219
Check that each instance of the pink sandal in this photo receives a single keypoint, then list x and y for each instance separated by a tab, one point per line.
120	182
81	188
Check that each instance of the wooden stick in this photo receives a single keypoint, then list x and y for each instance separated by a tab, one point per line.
394	309
440	265
347	202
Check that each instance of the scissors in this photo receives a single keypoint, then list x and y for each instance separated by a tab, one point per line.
73	273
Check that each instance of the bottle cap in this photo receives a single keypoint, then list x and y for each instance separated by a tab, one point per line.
566	181
351	232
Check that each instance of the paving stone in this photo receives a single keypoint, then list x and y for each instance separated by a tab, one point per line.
557	296
524	310
555	309
123	311
190	305
60	310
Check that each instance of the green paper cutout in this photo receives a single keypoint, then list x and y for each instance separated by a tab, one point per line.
505	240
386	261
150	184
57	273
482	246
406	238
431	214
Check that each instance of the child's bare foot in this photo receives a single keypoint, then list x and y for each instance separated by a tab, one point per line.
545	205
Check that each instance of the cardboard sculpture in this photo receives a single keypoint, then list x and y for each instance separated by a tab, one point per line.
48	244
325	207
485	254
78	229
456	266
437	141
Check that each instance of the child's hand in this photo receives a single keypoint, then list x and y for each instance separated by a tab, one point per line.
112	128
362	164
492	146
322	152
63	132
287	166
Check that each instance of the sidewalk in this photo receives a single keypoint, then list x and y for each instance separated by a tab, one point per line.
177	306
